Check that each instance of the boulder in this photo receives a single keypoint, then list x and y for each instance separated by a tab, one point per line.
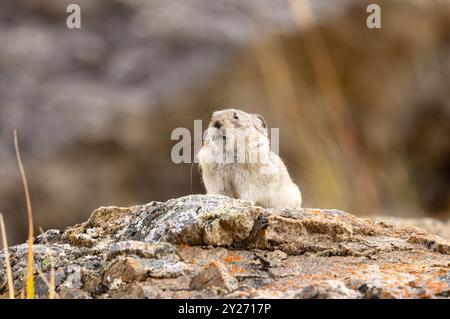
212	246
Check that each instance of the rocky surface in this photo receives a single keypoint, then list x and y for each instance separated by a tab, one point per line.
431	225
203	246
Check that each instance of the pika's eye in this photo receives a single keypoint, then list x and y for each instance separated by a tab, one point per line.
235	116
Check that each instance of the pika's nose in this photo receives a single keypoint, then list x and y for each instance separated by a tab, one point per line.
217	124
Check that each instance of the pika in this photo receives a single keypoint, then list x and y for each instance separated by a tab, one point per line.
236	161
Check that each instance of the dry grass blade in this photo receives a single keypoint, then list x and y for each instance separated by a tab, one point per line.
7	260
51	283
30	279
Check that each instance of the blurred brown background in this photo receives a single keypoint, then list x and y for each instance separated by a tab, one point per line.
364	115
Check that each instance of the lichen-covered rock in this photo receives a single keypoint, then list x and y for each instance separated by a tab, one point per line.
202	246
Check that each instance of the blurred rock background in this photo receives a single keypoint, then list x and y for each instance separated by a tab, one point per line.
364	114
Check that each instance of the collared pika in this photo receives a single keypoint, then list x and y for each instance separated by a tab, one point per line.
236	161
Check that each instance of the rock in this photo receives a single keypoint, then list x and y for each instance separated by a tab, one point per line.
206	246
214	222
141	249
137	269
71	293
431	225
215	275
130	261
329	289
50	236
132	291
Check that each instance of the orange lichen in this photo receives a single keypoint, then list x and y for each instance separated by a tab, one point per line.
232	258
235	269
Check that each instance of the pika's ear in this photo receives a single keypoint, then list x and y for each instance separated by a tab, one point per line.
263	122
